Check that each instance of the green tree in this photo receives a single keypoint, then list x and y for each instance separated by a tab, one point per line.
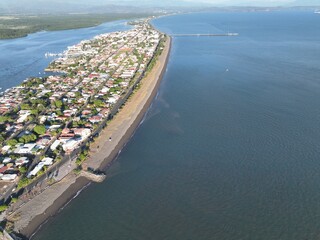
28	138
58	103
3	208
40	129
23	170
41	107
12	142
3	119
25	106
97	103
23	182
30	118
34	112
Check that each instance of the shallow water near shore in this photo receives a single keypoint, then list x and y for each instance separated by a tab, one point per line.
230	147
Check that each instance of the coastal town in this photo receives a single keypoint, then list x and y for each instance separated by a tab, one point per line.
48	121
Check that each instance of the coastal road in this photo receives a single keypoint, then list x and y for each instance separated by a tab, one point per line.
124	123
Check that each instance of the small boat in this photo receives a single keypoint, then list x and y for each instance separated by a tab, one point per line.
317	11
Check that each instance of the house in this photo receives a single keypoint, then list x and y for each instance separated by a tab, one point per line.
62	118
36	169
9	177
86	112
65	131
6	160
67	113
70	145
83	132
21	161
105	90
25	149
3	169
104	112
53	127
47	161
42	119
95	119
44	140
94	75
5	149
54	145
23	116
112	100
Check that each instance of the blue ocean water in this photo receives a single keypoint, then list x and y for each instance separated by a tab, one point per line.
230	147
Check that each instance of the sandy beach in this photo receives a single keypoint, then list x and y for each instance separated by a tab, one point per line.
127	120
30	216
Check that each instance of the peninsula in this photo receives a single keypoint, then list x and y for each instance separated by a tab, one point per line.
61	132
20	25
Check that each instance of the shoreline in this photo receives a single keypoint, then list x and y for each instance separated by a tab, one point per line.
59	204
66	191
59	28
104	161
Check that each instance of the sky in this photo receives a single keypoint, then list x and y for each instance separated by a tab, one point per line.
25	6
3	3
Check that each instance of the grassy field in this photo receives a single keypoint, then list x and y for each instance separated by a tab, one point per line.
15	26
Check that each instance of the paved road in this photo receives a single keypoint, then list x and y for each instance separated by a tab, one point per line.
102	148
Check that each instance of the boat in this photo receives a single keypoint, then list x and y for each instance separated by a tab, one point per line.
317	11
232	34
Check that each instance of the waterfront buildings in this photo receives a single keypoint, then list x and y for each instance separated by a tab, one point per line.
46	119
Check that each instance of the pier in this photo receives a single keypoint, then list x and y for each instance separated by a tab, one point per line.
205	34
93	177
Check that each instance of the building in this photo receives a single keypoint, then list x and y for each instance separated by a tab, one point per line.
25	149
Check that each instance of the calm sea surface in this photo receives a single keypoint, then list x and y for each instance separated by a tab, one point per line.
229	150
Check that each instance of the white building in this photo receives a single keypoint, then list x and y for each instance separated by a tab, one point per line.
70	145
25	149
47	161
9	177
36	169
55	145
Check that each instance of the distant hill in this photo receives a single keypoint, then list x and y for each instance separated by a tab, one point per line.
305	3
56	6
60	6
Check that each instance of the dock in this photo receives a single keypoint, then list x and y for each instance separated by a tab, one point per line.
204	34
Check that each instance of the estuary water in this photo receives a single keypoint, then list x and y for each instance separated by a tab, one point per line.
230	148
